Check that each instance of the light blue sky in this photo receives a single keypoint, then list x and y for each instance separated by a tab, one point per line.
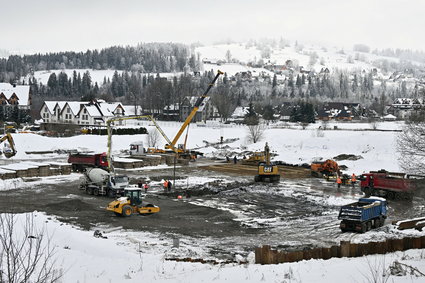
53	25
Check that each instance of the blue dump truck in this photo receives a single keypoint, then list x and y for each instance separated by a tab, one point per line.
363	215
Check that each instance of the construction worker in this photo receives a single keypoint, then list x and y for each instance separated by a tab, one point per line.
235	160
338	181
165	185
353	179
169	186
146	187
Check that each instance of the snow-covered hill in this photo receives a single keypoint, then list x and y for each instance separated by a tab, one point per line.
331	57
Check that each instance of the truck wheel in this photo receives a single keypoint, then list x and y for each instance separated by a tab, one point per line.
398	196
111	193
367	191
127	210
379	222
363	228
89	190
390	195
96	191
376	223
368	225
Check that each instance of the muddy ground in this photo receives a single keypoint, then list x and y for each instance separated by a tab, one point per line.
231	214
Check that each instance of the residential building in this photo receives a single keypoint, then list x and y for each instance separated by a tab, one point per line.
338	111
11	95
95	112
206	110
403	107
15	101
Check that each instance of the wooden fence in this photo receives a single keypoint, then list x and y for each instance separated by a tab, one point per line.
265	255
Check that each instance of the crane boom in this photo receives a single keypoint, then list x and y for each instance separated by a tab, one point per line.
192	114
109	130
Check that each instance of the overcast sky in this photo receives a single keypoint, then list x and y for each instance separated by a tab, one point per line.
60	25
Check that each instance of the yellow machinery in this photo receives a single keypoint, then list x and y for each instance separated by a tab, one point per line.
267	171
171	145
255	158
199	103
10	150
131	203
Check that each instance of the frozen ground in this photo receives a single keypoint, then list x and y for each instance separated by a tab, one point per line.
226	217
289	142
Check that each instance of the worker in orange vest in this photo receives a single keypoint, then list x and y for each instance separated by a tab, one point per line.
353	179
338	181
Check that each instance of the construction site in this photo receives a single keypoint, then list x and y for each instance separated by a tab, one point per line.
221	202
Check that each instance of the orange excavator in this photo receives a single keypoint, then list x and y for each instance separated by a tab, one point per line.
325	169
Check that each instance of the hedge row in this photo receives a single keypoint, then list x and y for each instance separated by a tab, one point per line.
119	131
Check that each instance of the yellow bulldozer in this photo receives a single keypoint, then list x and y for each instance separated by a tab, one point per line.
131	203
267	171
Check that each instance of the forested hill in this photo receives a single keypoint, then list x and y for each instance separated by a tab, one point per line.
146	57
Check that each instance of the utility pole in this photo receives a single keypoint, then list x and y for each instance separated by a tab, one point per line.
174	176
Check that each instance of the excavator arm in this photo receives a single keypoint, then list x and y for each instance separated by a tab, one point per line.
189	118
12	151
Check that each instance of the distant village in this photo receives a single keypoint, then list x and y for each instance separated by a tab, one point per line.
96	112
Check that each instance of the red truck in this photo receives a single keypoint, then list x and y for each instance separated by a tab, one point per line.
81	161
387	184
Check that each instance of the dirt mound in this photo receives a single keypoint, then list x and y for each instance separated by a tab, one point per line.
347	157
70	205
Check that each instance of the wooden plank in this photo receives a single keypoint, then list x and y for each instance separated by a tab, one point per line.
345	248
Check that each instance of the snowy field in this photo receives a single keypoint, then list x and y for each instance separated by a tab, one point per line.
132	257
288	141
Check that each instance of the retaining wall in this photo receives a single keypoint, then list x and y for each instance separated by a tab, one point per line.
266	255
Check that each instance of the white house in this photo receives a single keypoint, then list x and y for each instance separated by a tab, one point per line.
19	95
83	112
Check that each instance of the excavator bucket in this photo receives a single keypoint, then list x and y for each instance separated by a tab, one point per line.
9	154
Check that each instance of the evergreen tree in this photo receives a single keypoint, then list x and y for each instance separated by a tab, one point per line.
52	85
251	117
268	112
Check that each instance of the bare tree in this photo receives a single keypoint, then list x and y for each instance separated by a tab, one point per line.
25	255
411	148
153	138
256	132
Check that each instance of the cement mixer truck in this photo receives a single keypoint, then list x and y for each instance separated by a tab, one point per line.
97	182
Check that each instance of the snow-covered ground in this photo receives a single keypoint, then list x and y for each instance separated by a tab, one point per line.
132	257
288	141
